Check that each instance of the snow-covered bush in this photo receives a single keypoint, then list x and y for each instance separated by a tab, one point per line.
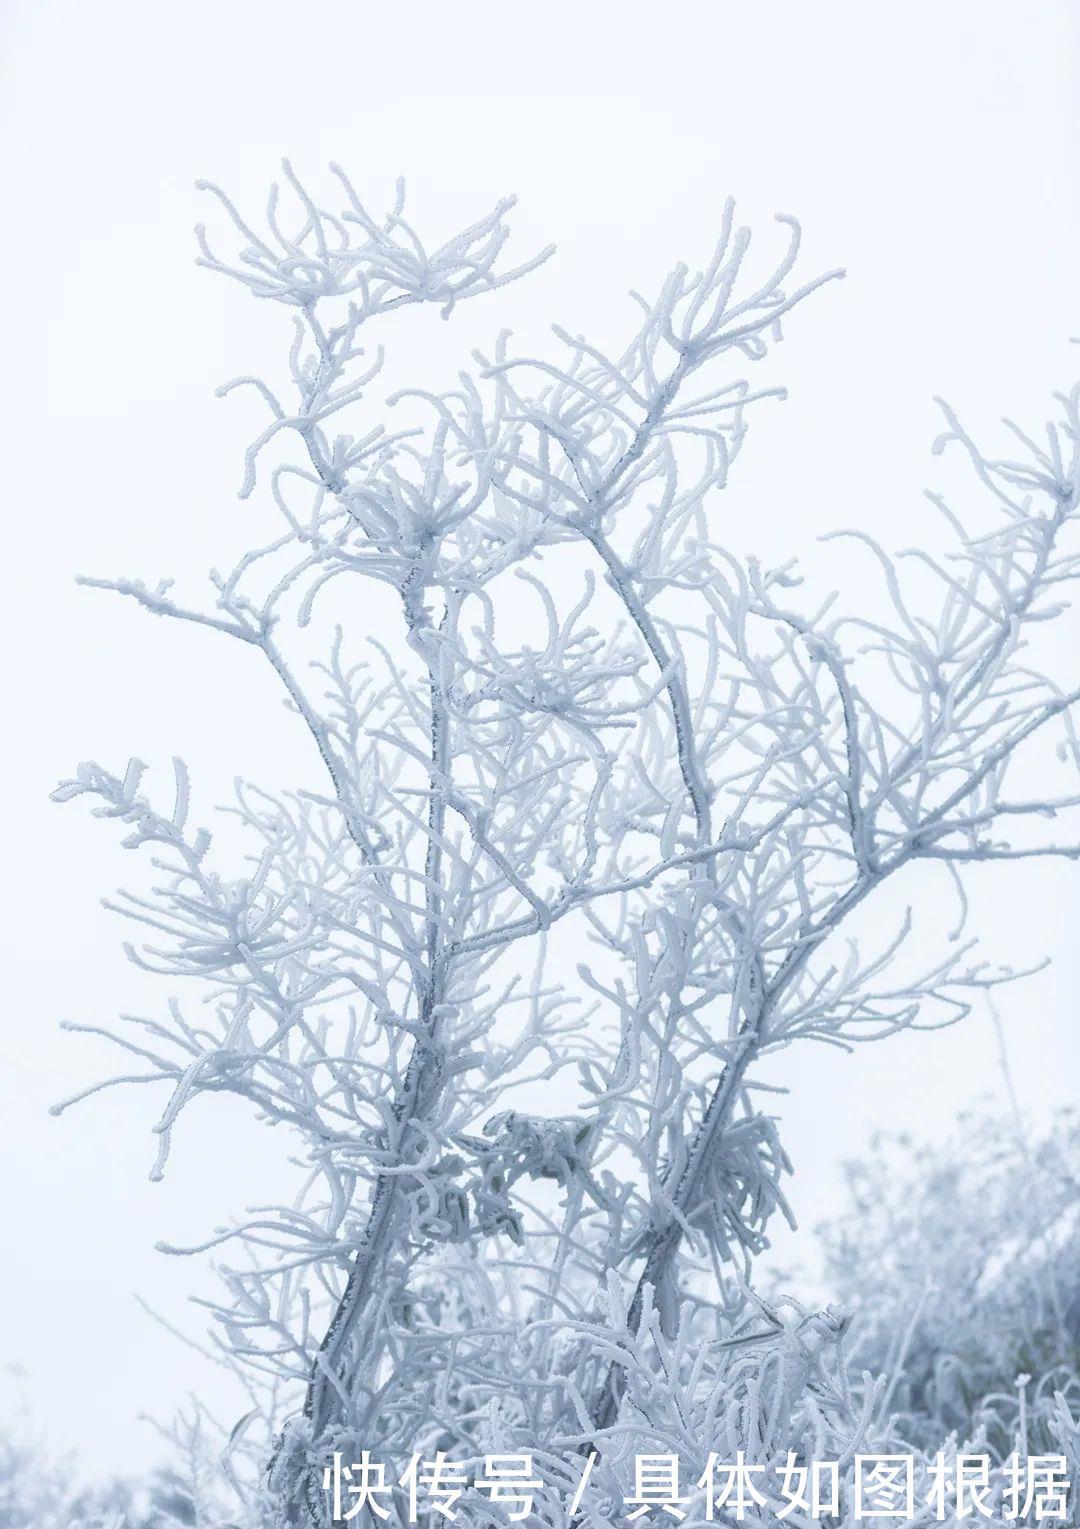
594	812
959	1262
32	1496
38	1491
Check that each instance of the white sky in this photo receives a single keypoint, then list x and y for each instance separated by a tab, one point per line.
930	147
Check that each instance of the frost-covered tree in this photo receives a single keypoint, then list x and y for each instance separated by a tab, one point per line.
593	811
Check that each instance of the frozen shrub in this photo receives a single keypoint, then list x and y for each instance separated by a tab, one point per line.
960	1264
594	810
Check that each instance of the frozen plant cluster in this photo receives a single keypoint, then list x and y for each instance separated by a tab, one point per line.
959	1264
595	812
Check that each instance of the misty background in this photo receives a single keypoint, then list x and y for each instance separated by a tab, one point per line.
930	149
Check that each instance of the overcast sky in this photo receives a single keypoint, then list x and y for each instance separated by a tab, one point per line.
930	148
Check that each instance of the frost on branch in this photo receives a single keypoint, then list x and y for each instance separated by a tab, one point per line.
589	830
